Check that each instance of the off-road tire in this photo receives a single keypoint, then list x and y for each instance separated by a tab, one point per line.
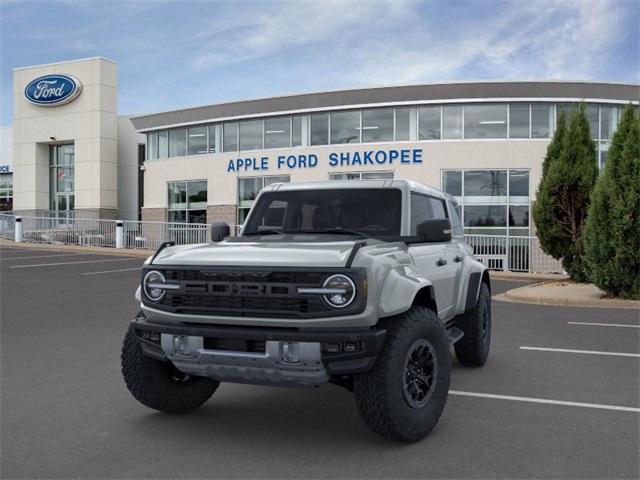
379	394
152	382
473	348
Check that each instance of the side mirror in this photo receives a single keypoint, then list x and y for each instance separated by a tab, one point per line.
437	230
220	231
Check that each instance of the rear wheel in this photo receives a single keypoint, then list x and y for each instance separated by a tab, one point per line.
159	385
404	395
473	348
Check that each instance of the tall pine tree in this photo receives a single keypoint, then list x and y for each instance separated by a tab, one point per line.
612	233
563	198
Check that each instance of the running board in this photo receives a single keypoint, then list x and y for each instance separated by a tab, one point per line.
454	334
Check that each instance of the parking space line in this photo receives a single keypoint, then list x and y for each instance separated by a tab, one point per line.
42	256
76	263
587	352
113	271
604	324
545	401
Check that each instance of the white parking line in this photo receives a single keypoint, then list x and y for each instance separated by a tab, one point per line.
544	400
588	352
604	324
41	256
76	263
113	271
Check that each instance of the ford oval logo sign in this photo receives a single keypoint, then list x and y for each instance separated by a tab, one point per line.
53	90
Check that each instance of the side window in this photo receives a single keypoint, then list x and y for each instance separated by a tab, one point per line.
420	211
438	208
456	224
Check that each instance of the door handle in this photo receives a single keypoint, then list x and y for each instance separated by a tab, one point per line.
457	259
441	262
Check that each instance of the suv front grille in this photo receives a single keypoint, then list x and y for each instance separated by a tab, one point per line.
244	292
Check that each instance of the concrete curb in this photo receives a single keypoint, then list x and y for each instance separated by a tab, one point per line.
571	295
525	276
125	252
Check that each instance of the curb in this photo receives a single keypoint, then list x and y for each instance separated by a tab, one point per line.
124	252
512	296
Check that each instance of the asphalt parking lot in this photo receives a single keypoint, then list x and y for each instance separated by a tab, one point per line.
558	398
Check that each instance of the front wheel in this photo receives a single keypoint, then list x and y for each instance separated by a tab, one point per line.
403	396
159	385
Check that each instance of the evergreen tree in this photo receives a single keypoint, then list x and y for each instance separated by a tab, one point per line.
612	233
563	197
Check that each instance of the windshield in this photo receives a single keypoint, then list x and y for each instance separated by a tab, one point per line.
374	212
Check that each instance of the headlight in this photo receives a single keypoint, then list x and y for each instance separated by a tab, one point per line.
344	291
152	292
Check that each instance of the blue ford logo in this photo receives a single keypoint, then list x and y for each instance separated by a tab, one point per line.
53	90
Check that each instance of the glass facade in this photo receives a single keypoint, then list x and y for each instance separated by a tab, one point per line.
187	201
361	176
248	189
383	124
6	192
61	179
492	202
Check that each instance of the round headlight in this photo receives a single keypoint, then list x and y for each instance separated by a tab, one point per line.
153	294
344	291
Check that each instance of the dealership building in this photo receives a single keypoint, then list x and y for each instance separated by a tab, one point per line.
483	142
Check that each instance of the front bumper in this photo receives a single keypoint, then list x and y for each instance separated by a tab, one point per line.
257	355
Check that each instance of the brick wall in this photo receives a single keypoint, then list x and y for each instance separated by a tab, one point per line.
154	214
222	213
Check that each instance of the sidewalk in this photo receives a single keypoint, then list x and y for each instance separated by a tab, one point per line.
127	252
567	293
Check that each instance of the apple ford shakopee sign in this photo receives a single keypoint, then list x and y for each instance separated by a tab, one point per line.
53	90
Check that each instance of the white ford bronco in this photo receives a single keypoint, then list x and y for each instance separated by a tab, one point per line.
363	284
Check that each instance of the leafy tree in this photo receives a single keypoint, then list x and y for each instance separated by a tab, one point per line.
563	197
612	233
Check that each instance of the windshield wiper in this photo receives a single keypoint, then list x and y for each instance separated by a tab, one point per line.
337	231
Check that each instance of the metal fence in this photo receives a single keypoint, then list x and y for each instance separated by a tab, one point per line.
518	254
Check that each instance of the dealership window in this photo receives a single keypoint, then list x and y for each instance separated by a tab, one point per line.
197	140
320	129
277	132
188	201
152	146
296	131
429	123
163	144
6	192
541	120
61	179
519	120
492	202
178	142
608	121
377	125
248	189
230	137
452	121
592	113
212	139
251	135
485	121
403	124
345	127
361	176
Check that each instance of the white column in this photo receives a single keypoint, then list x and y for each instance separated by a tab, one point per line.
18	230
119	234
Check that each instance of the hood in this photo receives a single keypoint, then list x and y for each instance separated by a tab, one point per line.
259	254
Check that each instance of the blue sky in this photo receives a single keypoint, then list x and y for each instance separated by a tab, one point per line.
179	54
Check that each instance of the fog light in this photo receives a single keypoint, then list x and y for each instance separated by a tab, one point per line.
350	347
291	352
181	344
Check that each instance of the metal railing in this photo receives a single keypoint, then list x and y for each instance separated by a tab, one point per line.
518	254
69	231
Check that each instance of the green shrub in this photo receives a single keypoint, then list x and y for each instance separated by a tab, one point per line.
569	174
612	233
